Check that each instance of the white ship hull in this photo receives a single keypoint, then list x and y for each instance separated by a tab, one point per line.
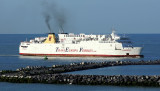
85	48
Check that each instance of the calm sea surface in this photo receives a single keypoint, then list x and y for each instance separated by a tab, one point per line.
10	59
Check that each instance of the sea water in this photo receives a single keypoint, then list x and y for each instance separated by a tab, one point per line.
11	60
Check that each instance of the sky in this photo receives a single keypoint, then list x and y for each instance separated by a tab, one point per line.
81	16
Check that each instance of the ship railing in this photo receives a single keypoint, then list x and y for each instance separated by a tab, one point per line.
129	47
107	42
133	47
90	39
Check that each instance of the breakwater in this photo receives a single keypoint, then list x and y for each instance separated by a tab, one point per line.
121	80
81	66
54	74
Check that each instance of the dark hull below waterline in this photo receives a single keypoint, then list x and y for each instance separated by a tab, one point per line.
81	55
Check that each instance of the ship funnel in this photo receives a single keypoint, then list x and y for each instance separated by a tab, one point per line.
51	38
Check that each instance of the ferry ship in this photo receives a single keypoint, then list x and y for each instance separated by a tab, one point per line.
81	45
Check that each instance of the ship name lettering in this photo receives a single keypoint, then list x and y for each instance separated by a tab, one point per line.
67	48
80	49
87	50
57	49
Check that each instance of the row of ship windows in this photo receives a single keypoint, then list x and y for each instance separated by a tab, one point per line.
78	35
74	35
24	46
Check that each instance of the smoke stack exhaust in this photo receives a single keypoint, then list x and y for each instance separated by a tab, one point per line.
52	12
47	19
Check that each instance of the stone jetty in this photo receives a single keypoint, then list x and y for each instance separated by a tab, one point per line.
54	74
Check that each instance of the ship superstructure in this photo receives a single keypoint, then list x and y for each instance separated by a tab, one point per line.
69	44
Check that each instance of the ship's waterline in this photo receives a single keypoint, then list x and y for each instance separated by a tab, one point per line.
79	55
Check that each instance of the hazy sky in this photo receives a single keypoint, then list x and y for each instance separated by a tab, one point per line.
81	16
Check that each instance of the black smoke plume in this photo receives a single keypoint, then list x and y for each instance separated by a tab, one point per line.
60	19
47	19
53	12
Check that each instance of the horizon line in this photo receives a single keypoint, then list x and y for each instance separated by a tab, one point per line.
84	33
